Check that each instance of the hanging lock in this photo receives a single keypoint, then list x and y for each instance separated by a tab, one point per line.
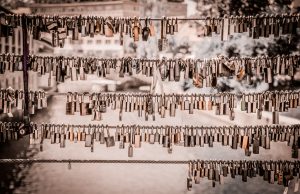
163	41
130	147
110	141
136	29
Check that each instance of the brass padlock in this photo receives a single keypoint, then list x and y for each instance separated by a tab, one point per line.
62	140
110	141
162	44
151	28
102	136
130	147
137	138
108	27
136	29
88	138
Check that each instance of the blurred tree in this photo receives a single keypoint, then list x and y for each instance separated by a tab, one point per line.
241	44
244	7
133	47
280	45
232	51
178	48
284	46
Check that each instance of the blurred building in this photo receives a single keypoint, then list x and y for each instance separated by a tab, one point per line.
100	46
175	9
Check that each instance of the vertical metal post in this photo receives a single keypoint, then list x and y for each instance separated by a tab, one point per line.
25	69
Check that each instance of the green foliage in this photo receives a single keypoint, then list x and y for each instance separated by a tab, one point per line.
245	7
284	46
232	51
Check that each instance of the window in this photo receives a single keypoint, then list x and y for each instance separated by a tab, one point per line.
20	81
13	37
116	7
108	7
90	41
107	41
90	53
99	41
6	83
117	42
6	49
13	82
19	34
108	53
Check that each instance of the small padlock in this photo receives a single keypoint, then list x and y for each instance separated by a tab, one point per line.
110	141
130	147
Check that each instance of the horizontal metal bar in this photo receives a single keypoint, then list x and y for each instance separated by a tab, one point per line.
146	94
171	95
149	60
166	126
139	94
121	18
31	161
158	19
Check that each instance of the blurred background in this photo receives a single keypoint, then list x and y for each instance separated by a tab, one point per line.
187	43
